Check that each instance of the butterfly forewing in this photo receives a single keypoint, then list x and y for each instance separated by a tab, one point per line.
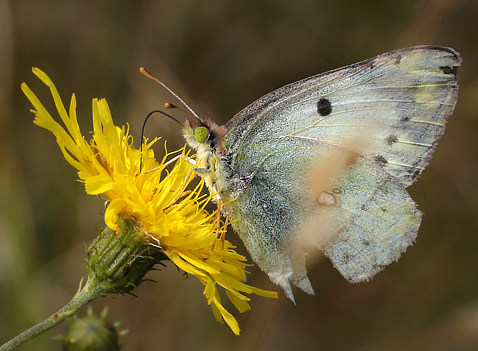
397	104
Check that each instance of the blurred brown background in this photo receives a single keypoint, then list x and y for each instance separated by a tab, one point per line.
220	56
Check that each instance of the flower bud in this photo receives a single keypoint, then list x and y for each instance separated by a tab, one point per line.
91	333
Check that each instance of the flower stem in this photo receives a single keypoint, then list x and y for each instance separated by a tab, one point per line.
117	263
81	298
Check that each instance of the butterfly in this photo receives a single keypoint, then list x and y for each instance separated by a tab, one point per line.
331	156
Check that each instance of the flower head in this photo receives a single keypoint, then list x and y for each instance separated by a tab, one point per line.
139	188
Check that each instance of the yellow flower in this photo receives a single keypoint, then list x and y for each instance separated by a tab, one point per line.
139	188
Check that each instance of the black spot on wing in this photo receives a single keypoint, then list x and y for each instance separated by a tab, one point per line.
391	139
449	70
415	171
346	257
380	160
324	107
336	190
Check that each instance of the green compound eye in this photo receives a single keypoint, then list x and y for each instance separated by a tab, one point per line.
200	134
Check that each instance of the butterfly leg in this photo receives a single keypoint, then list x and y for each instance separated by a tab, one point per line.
223	234
172	160
190	160
218	222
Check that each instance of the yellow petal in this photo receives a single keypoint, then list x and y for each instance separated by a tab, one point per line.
99	184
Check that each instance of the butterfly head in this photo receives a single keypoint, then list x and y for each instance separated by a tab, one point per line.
203	136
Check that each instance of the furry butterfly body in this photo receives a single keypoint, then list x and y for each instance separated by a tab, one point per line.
380	119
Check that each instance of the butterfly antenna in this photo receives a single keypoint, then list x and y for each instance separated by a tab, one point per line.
144	125
172	106
150	76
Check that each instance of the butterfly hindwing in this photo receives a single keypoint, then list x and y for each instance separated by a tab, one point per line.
373	221
364	222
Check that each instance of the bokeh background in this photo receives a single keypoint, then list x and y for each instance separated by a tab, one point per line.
220	56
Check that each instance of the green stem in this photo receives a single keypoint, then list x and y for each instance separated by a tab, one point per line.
117	263
87	294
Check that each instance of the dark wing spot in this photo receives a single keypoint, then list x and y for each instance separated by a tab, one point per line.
380	160
416	173
346	257
391	139
404	118
336	190
449	70
397	59
324	107
415	170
